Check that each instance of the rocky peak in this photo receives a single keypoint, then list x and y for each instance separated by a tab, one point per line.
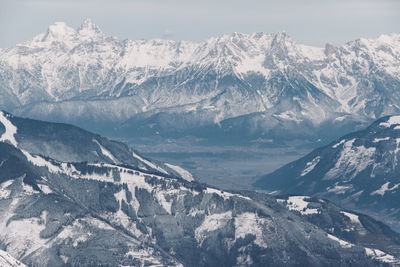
89	29
58	31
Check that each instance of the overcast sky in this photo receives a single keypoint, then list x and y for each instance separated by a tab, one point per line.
313	22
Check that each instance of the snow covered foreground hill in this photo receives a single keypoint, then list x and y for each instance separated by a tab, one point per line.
247	85
96	212
359	170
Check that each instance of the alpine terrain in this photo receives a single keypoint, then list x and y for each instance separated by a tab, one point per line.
359	170
98	203
232	88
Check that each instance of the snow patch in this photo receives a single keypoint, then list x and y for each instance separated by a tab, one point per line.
105	152
393	120
45	189
343	244
41	162
250	224
339	189
298	203
353	217
27	230
182	172
4	192
211	223
352	160
376	140
10	129
384	188
380	255
6	260
224	195
338	144
148	163
310	166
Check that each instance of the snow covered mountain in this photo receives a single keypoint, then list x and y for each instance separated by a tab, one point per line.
248	85
60	213
65	142
359	170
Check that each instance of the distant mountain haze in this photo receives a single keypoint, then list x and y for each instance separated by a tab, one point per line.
234	88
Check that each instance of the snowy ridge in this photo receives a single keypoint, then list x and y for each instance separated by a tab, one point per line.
240	74
105	152
182	172
122	215
360	168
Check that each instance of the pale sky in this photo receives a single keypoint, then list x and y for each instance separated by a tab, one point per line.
313	22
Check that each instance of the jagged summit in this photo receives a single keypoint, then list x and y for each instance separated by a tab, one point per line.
280	84
89	29
59	30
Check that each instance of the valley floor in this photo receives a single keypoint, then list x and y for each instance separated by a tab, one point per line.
226	167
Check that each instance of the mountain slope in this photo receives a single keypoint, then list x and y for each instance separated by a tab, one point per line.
56	213
65	142
163	87
359	170
6	260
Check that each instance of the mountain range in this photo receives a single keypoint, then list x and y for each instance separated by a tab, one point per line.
232	88
359	170
98	208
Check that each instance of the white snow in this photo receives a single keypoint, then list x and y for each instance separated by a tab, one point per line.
41	162
167	205
45	188
384	188
376	140
121	195
223	194
353	217
310	166
393	120
182	172
338	144
4	192
341	118
68	69
298	203
343	244
339	189
26	229
105	152
10	130
311	52
148	163
6	260
381	256
352	160
211	223
249	223
287	115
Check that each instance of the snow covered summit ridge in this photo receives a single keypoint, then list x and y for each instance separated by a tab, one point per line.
64	72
